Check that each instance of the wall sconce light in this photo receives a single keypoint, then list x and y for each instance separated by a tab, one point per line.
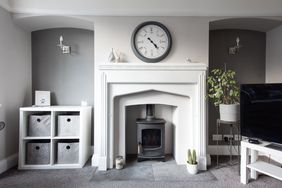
235	49
65	49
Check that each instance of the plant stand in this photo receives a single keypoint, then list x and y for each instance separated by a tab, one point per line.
232	125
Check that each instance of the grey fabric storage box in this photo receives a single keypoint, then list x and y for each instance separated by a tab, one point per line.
68	125
38	152
68	152
39	125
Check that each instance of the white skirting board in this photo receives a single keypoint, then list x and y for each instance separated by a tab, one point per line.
9	162
221	150
224	150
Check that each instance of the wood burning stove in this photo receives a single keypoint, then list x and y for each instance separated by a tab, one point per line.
150	136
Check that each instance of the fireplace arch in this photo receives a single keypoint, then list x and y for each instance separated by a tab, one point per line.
183	137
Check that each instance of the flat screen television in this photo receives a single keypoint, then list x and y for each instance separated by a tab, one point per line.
261	111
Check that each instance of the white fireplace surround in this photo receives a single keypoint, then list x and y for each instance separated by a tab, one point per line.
125	84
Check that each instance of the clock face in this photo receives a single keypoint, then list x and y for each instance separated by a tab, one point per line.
151	42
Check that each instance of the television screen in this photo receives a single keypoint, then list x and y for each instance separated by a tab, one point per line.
261	111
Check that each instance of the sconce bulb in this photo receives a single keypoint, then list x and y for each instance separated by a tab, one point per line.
61	41
237	41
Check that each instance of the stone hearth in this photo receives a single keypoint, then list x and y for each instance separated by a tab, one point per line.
120	85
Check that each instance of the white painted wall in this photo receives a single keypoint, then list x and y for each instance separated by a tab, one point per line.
274	55
190	37
15	81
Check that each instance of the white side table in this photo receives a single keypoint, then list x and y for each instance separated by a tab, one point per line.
256	165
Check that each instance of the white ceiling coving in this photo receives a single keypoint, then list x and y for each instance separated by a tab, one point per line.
256	24
147	7
38	22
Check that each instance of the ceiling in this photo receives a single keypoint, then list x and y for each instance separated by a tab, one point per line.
243	8
35	15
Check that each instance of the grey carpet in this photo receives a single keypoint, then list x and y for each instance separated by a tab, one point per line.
157	171
138	173
173	172
45	178
85	178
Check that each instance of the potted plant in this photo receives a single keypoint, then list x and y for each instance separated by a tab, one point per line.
223	90
192	165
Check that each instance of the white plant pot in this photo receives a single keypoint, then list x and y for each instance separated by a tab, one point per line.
229	112
192	168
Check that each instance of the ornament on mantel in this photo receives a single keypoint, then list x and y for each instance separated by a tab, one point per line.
111	57
114	56
189	60
117	56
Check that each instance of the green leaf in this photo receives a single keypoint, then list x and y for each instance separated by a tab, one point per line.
222	87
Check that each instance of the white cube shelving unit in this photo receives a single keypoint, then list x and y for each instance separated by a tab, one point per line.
83	138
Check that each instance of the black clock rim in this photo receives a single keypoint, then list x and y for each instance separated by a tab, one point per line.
141	57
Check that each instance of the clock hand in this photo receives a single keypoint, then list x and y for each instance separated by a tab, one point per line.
156	46
153	43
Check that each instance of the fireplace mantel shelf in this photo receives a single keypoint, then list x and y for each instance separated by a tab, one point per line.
154	66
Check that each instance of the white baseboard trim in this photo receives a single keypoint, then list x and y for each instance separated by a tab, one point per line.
222	150
272	157
203	162
208	159
100	162
8	162
95	160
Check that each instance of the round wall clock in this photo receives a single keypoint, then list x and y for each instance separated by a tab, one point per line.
151	42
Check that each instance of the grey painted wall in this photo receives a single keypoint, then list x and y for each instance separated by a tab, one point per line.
70	77
15	84
274	55
249	63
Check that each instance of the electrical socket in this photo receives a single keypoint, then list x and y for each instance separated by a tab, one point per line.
236	137
227	137
216	137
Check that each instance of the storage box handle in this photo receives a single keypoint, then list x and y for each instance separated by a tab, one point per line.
69	120
67	147
37	147
38	120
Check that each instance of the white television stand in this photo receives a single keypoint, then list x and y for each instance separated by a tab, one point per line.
254	164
